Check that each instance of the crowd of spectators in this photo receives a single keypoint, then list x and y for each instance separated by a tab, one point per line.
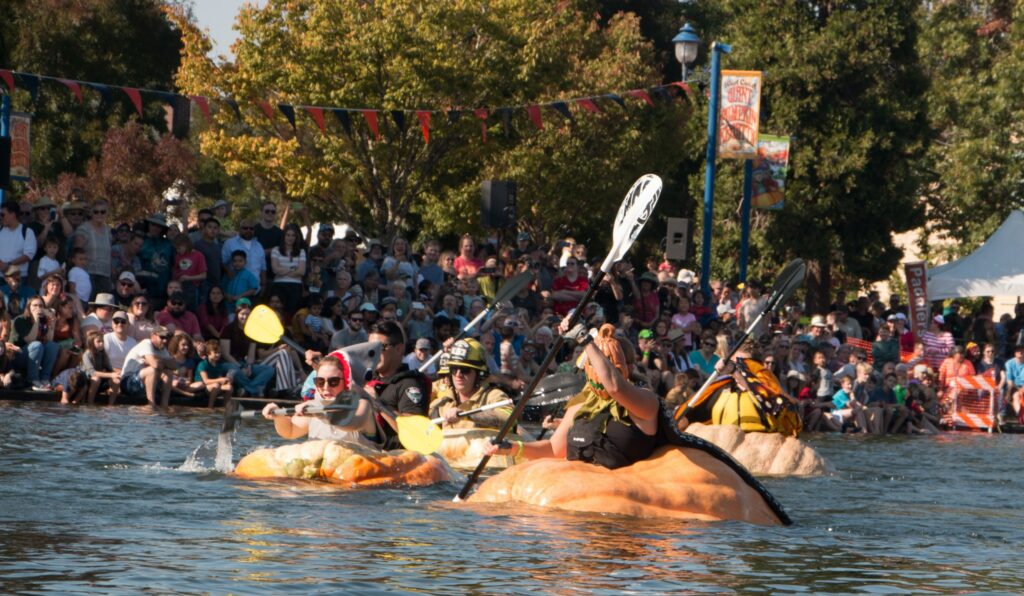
157	308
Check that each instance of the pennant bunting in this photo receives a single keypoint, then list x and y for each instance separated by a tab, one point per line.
617	99
371	120
563	108
453	116
74	87
398	116
317	114
104	92
344	119
289	112
266	109
167	97
424	118
640	94
534	113
204	106
8	77
683	87
588	104
234	106
30	82
134	95
481	113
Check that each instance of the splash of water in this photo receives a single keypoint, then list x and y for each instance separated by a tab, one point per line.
195	461
225	444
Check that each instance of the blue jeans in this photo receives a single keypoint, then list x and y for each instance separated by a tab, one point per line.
41	357
255	383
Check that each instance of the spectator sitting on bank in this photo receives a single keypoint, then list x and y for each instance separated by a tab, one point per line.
176	317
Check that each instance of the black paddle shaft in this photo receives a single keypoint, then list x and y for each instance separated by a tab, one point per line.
510	423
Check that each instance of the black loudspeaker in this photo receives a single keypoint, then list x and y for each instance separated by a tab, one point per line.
5	163
498	204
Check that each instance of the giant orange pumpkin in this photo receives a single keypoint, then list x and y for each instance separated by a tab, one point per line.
676	482
344	463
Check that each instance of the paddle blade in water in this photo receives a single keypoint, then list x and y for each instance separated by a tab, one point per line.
419	434
263	325
636	209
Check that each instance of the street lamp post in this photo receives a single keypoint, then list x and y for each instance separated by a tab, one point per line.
686	42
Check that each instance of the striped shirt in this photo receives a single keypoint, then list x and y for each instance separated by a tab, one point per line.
936	347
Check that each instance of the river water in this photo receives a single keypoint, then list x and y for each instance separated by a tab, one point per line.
122	500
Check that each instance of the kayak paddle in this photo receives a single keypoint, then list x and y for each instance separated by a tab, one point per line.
507	291
787	283
635	211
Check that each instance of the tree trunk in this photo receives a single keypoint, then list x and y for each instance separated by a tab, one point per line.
819	283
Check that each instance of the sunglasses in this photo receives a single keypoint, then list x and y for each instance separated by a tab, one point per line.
177	303
26	213
270	211
100	212
140	304
331	382
461	372
126	283
356	319
165	337
120	321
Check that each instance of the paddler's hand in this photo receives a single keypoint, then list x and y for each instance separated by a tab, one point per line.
577	334
503	448
550	422
268	410
301	408
450	414
682	423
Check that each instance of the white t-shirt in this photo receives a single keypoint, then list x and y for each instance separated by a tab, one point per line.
117	349
47	265
83	286
135	360
14	245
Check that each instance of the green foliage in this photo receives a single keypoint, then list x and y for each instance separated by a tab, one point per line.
845	81
975	59
407	55
122	42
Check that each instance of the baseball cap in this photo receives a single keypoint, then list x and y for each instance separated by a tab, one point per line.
126	275
326	227
423	344
818	321
646	334
368	307
725	309
242	302
119	315
177	296
161	331
941	320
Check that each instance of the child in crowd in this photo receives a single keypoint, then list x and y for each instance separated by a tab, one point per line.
79	284
313	326
214	373
48	263
96	366
189	268
846	408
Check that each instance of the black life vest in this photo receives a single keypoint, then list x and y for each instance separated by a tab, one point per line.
618	446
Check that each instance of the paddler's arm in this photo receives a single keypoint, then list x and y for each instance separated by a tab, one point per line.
642	404
555	447
289	427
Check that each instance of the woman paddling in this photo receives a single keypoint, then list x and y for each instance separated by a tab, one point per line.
334	386
612	423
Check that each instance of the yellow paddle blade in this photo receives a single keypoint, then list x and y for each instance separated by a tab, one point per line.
419	434
263	325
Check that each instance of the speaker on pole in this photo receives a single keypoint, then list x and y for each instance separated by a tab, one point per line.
678	238
498	204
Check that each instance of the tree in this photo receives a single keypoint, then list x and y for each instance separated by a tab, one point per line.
972	51
845	80
121	42
402	55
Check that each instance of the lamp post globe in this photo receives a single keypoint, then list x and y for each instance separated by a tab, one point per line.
686	43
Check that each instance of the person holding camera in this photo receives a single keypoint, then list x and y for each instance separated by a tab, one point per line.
32	335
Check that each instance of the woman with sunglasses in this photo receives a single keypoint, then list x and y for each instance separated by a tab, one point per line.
32	333
94	237
140	318
352	419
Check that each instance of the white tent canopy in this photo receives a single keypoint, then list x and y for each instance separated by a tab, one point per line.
996	268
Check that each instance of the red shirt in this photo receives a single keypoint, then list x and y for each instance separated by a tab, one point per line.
562	307
467	266
187	322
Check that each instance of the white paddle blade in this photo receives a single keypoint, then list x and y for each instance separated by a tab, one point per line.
636	209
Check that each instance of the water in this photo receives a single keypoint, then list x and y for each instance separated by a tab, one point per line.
120	500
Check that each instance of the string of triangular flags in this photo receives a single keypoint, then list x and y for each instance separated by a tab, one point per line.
32	82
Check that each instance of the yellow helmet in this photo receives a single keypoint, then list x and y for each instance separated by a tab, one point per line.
468	353
442	364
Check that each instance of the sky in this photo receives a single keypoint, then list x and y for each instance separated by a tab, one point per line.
217	16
